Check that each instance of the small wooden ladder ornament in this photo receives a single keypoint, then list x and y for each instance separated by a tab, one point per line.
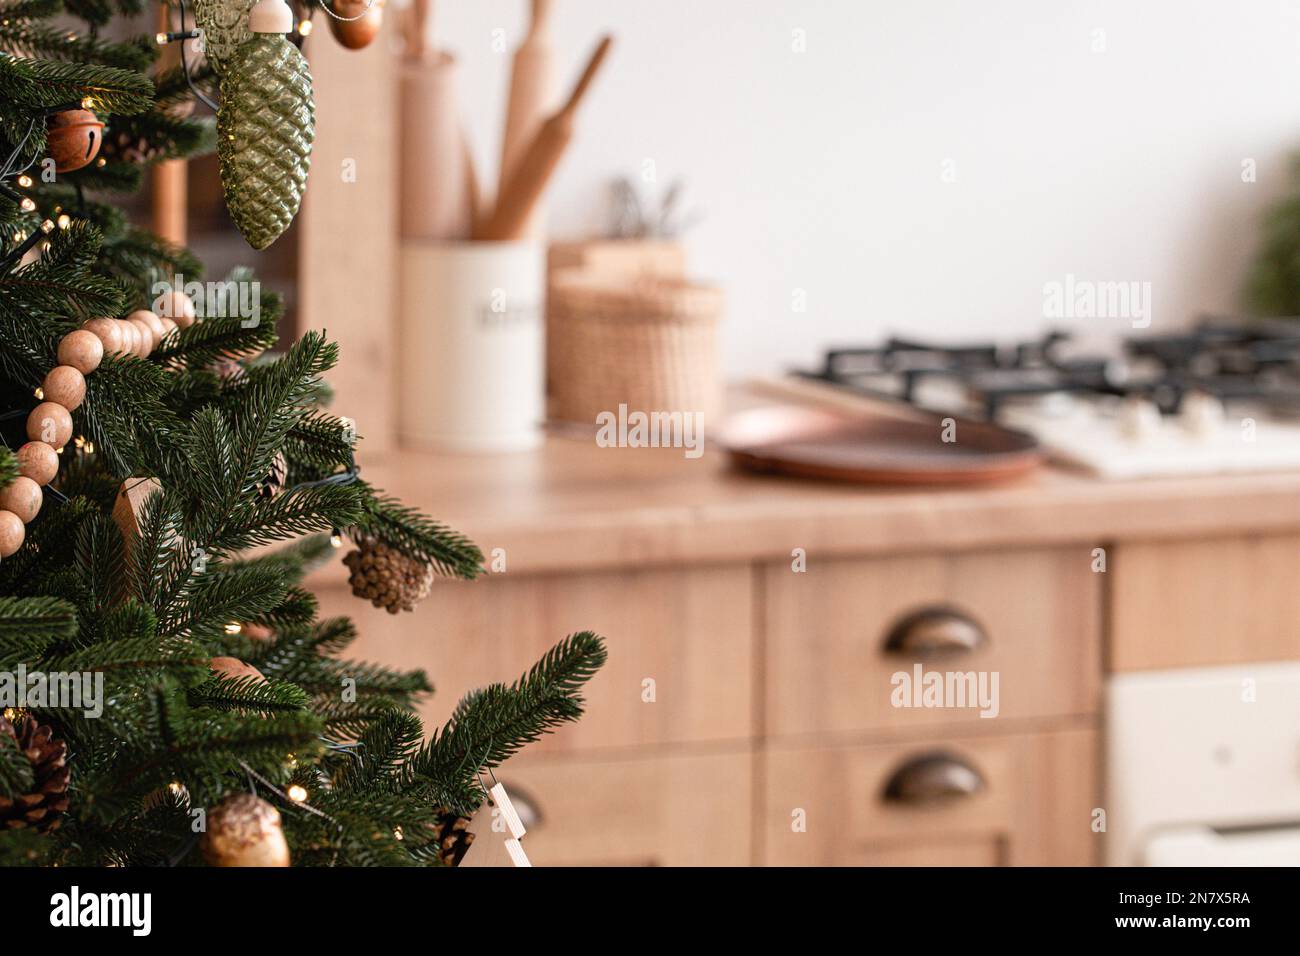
497	831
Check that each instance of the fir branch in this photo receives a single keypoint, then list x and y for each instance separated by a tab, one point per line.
8	467
16	773
40	84
248	695
418	536
213	600
492	723
36	618
217	337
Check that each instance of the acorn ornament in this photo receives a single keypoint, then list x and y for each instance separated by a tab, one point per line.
244	830
73	138
356	22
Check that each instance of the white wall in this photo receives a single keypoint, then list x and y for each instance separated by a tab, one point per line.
822	170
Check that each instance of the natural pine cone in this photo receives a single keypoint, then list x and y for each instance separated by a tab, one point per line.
453	838
273	483
386	577
43	807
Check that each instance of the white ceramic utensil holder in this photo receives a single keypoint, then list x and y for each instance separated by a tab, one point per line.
471	352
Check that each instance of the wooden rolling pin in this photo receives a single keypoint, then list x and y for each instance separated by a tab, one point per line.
532	98
434	159
520	196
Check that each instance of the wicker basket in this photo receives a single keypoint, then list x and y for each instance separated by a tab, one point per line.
648	343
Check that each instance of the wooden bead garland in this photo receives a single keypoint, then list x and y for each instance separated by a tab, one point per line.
49	426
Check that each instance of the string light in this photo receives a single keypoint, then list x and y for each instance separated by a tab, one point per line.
27	204
64	221
297	793
39	393
234	627
25	181
26	246
336	540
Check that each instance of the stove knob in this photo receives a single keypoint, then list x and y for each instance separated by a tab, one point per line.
1201	414
1139	418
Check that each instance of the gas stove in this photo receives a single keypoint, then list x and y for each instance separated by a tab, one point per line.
1221	396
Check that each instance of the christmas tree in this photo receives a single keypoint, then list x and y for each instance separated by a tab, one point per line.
165	485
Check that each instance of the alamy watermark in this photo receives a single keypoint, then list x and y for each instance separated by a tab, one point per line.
228	299
651	430
1085	299
956	690
72	690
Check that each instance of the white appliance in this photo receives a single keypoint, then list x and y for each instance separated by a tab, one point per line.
1203	767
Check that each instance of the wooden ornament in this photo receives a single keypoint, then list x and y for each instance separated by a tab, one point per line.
82	350
497	830
51	423
65	386
244	830
74	138
177	306
144	343
12	533
257	632
356	34
152	322
130	337
38	461
23	497
232	667
109	333
131	496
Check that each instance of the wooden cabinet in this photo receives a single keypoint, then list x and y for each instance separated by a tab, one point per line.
667	810
681	648
1023	799
839	632
1205	602
771	689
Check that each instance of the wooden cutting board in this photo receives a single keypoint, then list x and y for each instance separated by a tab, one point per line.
818	443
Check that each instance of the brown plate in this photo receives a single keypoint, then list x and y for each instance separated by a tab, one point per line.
815	443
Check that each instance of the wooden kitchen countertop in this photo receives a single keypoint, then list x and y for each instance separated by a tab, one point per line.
572	505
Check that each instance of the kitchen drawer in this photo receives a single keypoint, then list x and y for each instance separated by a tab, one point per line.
1022	800
688	631
669	810
839	632
1205	602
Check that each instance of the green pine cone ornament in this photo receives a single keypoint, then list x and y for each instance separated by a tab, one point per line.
225	28
265	129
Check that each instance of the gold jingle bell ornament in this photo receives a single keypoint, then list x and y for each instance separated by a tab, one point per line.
244	830
360	23
74	138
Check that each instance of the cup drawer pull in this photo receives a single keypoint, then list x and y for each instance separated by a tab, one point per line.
935	631
933	778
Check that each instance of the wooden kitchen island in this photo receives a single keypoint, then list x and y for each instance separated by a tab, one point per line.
745	715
